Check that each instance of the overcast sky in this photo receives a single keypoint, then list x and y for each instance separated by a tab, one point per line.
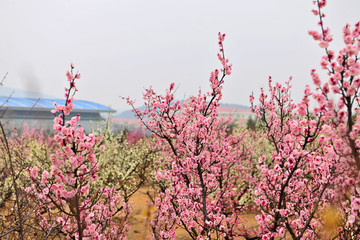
123	46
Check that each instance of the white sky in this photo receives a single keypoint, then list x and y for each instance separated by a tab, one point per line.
123	46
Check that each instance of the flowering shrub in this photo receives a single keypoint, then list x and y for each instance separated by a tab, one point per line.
135	135
16	154
201	169
124	165
293	183
315	168
70	206
342	125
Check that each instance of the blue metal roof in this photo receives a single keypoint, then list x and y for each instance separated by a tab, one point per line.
19	99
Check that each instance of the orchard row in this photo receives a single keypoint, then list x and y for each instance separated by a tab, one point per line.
297	170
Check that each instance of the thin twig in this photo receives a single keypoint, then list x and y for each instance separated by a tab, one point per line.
1	83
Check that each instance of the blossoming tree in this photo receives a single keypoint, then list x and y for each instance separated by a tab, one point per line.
200	176
69	205
315	165
338	100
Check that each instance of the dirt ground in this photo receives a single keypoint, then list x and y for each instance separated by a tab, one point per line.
139	229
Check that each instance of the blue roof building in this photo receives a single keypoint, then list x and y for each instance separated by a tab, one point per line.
18	106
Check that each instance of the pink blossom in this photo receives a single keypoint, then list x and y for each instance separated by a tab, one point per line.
324	44
34	172
102	148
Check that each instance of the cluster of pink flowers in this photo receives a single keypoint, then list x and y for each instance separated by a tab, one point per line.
135	135
292	184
